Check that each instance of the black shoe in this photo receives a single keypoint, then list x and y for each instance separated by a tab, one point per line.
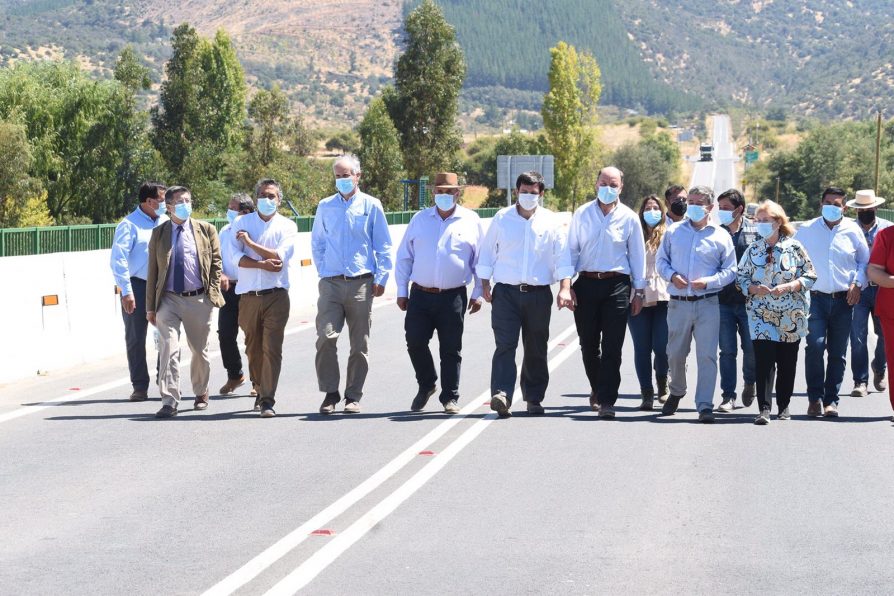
671	405
139	395
784	415
166	412
763	418
706	416
534	408
607	412
421	399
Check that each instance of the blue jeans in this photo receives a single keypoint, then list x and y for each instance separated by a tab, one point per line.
734	321
859	335
828	328
649	332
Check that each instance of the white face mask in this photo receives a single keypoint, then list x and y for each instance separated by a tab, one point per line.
528	201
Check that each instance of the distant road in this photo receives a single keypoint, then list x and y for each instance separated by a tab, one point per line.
719	174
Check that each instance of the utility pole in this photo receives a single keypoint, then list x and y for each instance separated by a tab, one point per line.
777	189
878	148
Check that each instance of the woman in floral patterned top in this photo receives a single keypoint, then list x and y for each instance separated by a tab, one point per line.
775	274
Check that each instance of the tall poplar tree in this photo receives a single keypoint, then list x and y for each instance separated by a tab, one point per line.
380	155
427	81
569	118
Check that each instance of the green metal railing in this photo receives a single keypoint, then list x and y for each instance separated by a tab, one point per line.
16	242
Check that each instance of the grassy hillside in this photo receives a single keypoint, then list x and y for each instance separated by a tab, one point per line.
826	58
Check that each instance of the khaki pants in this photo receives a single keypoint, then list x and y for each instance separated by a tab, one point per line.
263	321
194	313
343	300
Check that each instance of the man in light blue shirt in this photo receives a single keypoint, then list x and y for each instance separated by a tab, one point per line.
351	247
129	262
837	248
698	259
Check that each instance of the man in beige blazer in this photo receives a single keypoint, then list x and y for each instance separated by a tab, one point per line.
183	286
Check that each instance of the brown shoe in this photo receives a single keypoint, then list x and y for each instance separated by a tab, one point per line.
830	411
815	409
878	379
329	402
139	395
232	385
201	402
594	401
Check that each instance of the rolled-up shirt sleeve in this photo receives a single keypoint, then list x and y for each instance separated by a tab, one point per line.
636	255
561	254
122	244
490	248
236	248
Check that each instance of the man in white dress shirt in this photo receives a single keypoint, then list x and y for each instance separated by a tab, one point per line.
609	255
838	250
435	263
524	252
261	247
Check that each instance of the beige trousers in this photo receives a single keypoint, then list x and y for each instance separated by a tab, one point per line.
343	300
263	321
194	314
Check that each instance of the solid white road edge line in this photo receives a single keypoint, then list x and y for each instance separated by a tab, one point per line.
326	555
290	541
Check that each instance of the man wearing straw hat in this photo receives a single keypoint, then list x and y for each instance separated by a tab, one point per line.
865	203
435	262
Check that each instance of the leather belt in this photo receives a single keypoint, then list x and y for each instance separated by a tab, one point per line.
349	278
694	298
524	288
264	292
191	293
832	295
602	274
435	290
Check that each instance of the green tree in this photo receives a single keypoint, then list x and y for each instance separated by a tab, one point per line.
130	72
345	141
423	102
16	183
646	171
569	119
269	111
380	155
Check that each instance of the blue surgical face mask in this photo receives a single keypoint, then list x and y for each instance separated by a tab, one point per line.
607	195
162	209
266	206
528	201
232	215
695	212
726	217
765	229
652	217
445	201
832	213
344	185
183	210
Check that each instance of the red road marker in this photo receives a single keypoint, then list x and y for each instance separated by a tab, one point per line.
562	345
426	453
74	388
323	532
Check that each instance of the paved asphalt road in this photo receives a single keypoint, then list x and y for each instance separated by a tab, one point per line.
720	173
97	497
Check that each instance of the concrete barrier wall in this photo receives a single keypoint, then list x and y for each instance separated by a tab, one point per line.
86	325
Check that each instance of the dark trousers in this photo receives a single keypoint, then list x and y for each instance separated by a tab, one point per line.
227	332
513	311
444	313
649	332
135	327
828	329
775	358
601	320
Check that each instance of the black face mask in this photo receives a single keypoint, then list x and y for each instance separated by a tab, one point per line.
866	217
678	208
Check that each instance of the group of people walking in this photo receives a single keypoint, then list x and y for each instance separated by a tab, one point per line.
667	272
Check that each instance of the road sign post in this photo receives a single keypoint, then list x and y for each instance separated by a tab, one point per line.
510	166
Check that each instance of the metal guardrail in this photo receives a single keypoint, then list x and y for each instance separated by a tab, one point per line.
15	242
